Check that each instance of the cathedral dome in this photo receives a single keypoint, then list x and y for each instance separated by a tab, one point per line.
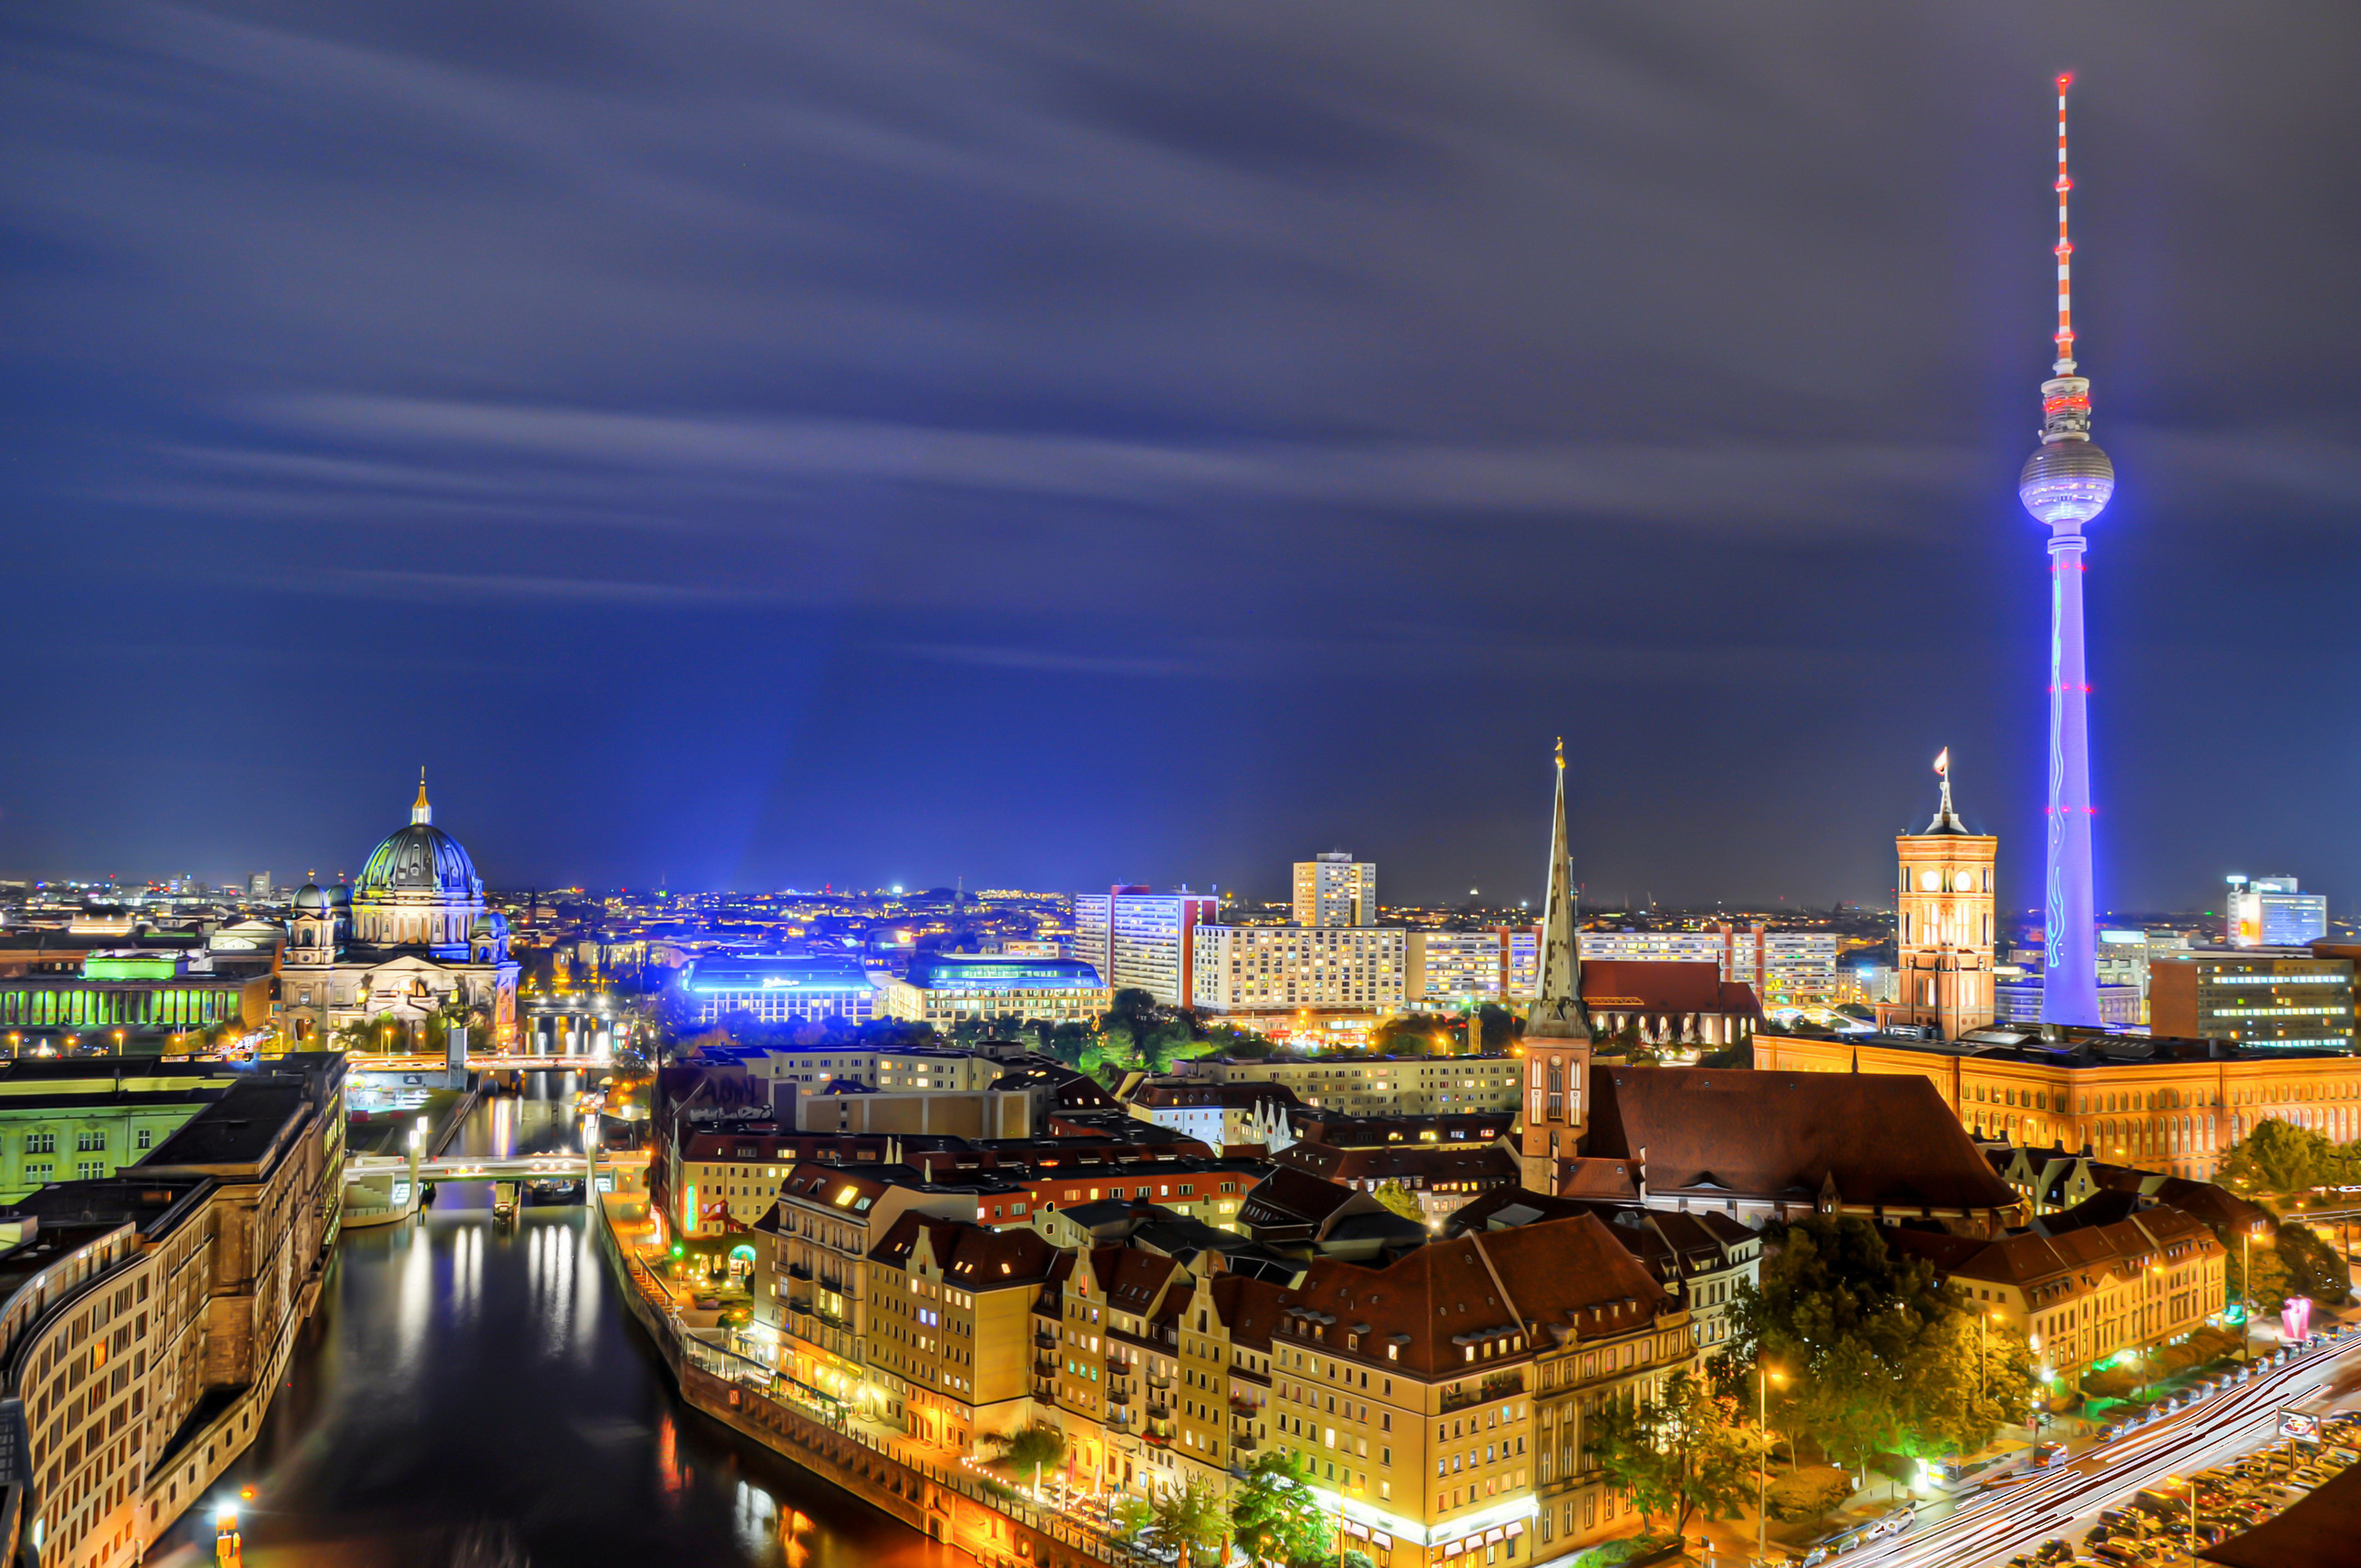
421	858
309	897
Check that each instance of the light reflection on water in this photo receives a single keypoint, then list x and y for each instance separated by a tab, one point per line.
470	1395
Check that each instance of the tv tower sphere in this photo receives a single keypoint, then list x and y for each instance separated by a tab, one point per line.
2067	480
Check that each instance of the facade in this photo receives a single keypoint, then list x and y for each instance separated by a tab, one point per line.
1458	969
1247	970
1377	1086
2086	1293
1786	967
777	991
1943	957
413	940
2274	911
1229	1118
952	1309
2283	998
949	989
136	991
1334	889
2170	1106
145	1322
1139	940
78	1120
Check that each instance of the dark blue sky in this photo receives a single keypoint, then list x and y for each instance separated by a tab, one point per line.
1050	444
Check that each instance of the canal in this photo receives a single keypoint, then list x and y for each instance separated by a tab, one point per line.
471	1395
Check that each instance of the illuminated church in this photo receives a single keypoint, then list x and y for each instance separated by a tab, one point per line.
411	937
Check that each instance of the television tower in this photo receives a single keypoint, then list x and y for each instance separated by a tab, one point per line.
2066	483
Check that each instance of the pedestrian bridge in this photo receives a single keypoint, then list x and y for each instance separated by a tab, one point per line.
472	1168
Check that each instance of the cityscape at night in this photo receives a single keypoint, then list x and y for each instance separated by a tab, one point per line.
1179	788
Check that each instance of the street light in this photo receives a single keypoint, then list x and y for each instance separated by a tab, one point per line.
1764	1377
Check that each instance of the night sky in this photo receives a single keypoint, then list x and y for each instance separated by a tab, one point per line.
763	445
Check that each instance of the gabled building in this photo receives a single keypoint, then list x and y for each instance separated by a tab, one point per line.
1441	1178
952	1307
1771	1146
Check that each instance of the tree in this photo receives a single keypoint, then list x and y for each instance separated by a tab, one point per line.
1675	1453
1031	1448
1881	1355
1191	1523
1412	1034
1401	1200
2279	1157
1276	1514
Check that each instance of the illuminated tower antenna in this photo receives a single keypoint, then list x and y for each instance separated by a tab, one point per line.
2066	483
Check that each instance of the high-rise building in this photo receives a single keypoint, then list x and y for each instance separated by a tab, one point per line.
258	885
1139	940
2065	484
2288	998
2274	911
1281	969
1558	1031
1334	889
1453	969
1943	951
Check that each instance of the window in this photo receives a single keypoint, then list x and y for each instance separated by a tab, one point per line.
41	1143
89	1170
144	1138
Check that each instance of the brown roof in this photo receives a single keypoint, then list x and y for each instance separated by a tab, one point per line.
2054	1264
1653	985
973	1256
1291	1198
1430	1162
1469	1305
2314	1532
1881	1139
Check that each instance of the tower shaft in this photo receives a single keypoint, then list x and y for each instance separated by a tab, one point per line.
2069	986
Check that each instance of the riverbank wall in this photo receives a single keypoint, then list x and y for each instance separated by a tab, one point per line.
944	1504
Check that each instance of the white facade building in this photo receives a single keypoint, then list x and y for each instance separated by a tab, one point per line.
1139	940
1279	968
2274	911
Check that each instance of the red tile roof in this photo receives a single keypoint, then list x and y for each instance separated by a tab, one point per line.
1648	985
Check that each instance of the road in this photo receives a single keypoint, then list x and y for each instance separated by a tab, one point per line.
1994	1527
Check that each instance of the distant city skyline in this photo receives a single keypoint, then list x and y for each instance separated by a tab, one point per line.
1435	392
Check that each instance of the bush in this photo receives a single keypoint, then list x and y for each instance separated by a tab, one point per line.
1609	1553
2114	1383
1807	1495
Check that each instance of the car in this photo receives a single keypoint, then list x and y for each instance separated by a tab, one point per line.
2110	1431
2046	1455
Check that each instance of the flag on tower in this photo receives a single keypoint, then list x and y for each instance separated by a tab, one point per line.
1943	762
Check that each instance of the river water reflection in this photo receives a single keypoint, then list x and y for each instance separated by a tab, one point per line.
472	1393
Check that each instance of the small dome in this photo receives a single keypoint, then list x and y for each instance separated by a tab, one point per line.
421	858
309	896
340	895
2066	481
490	925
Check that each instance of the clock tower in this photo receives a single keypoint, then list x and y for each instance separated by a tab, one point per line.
1943	951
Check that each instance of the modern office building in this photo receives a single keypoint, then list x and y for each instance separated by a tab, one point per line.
1334	889
777	991
2274	911
1139	940
1241	971
1943	957
2285	998
947	989
2017	998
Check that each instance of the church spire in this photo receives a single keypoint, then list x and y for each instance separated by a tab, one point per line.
420	812
1557	1013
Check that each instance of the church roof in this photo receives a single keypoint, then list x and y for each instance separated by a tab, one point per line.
421	858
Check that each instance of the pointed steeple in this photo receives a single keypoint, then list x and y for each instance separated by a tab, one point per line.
1557	1013
1945	819
420	812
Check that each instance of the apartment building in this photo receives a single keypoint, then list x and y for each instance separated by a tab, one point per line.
1377	1086
953	1307
1140	940
1334	889
2086	1288
1236	1118
1783	965
1243	971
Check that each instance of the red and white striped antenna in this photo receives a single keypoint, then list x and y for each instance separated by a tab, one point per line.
2065	243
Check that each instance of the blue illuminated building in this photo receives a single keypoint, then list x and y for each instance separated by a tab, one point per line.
778	991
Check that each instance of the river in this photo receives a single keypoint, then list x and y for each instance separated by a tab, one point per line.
471	1395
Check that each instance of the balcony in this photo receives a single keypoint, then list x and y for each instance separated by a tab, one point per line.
799	1271
1118	1396
1243	1443
1159	1412
1160	1379
1046	1338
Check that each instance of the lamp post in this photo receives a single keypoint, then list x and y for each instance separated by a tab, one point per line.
1763	1375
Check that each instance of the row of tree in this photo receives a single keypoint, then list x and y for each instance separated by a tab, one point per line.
1272	1514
